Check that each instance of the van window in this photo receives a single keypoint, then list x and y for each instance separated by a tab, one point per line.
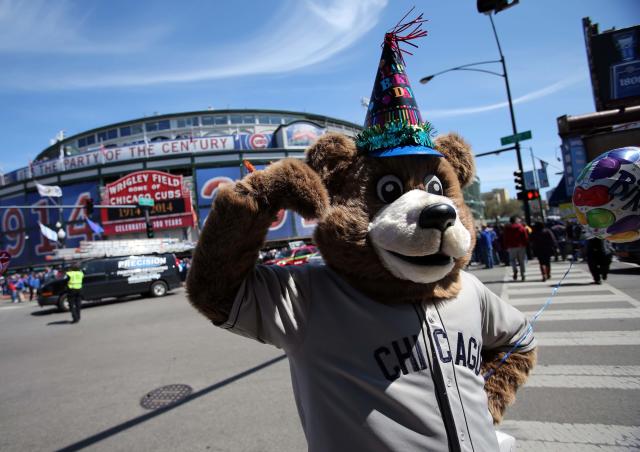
95	267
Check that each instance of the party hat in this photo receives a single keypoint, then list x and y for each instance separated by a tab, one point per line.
393	125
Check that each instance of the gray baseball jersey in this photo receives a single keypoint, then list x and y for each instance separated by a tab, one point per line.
362	371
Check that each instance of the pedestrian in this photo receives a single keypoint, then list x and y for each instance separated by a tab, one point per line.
515	241
544	245
486	250
13	290
74	287
34	285
560	232
598	258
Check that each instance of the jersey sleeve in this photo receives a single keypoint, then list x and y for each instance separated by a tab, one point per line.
272	306
502	324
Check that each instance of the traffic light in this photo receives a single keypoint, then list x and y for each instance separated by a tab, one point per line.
88	207
518	180
529	195
494	6
150	233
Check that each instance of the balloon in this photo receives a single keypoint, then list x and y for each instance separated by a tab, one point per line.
606	197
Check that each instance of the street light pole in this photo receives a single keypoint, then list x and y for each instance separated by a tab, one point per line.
527	211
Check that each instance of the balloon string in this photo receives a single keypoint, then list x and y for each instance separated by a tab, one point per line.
532	322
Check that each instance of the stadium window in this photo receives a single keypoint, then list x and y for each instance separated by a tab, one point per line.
236	119
136	128
164	124
102	136
91	139
275	119
82	142
188	122
111	134
151	126
125	131
263	119
248	119
207	120
220	120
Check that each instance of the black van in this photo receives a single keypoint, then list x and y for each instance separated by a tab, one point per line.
109	277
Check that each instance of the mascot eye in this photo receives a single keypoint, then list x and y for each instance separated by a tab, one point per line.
433	185
389	188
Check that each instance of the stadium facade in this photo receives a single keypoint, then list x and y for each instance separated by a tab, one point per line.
178	160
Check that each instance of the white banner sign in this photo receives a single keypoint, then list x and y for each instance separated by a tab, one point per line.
137	151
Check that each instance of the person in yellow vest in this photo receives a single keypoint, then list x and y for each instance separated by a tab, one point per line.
74	286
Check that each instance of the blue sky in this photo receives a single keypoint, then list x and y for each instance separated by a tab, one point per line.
75	65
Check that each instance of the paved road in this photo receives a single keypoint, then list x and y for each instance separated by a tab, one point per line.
584	395
79	387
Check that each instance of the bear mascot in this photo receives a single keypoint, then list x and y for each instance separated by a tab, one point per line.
390	342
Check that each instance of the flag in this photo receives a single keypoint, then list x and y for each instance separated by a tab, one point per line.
95	227
51	191
48	233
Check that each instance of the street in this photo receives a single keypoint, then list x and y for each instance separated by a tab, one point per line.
80	386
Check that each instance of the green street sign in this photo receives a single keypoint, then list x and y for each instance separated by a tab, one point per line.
517	137
145	202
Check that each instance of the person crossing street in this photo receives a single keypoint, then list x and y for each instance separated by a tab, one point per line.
74	286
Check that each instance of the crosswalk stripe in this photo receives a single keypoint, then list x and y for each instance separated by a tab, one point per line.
551	315
576	369
563	289
546	446
534	300
581	338
582	381
563	436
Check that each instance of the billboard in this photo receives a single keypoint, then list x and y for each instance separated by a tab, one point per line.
574	159
172	202
21	235
614	61
287	224
299	134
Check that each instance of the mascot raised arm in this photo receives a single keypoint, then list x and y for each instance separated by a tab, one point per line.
389	342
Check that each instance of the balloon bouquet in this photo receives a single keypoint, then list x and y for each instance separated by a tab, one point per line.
606	197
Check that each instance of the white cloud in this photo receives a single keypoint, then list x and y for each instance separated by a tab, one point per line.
543	92
304	33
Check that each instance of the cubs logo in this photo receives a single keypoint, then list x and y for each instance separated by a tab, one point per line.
210	188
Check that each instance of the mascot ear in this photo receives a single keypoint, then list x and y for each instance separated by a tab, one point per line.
458	153
331	157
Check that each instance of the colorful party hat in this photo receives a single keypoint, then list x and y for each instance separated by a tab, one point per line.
393	125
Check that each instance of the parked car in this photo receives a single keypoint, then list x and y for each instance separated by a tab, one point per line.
297	256
110	277
628	252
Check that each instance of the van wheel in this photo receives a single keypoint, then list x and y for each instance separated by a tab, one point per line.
63	303
158	289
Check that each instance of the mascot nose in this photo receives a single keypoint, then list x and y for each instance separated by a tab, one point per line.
438	216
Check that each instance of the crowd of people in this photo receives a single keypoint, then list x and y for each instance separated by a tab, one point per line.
23	287
516	242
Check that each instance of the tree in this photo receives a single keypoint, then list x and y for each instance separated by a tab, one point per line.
495	209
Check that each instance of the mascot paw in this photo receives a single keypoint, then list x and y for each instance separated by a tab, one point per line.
502	386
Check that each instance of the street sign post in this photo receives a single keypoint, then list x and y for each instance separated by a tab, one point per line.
516	138
146	202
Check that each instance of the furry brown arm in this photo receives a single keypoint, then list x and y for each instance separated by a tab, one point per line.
501	387
236	228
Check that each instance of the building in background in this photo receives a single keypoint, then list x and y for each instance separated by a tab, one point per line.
614	64
499	195
177	160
